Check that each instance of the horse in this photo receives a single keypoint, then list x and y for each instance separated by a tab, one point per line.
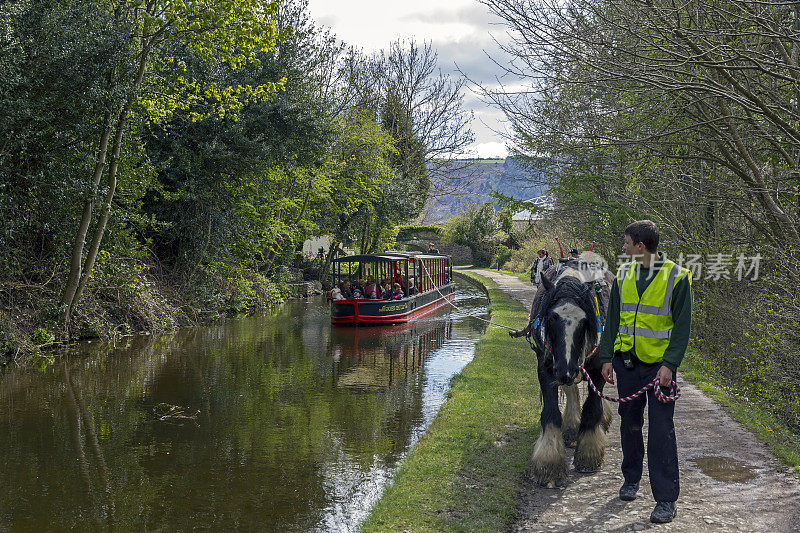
563	330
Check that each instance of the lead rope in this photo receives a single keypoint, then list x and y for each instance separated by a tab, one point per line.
674	391
455	306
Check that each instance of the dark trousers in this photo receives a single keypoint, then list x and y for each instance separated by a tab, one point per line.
662	447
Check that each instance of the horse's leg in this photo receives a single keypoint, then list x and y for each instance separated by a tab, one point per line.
608	413
591	447
549	456
571	418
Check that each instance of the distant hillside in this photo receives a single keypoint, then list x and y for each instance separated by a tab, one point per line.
473	181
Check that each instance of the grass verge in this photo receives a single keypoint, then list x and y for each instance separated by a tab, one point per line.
466	471
778	437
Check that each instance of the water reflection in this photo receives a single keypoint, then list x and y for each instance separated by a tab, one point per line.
381	356
266	423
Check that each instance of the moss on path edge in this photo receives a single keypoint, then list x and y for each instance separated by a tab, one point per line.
466	471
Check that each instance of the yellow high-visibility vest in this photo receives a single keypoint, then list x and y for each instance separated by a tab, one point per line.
645	323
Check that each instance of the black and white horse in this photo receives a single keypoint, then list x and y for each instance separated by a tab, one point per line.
563	331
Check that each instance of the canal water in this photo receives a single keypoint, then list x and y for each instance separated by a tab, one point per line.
270	423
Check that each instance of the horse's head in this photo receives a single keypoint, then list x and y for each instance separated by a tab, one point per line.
568	324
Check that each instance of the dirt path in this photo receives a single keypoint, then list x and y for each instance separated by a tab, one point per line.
729	480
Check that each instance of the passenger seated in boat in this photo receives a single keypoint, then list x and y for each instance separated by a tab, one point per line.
387	292
371	290
356	294
336	293
412	290
398	292
347	292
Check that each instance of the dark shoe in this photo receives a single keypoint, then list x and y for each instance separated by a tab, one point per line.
663	513
627	492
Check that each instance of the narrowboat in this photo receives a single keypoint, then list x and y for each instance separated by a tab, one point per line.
426	282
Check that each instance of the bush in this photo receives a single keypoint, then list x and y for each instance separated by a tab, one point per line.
503	256
410	233
480	228
42	336
748	338
251	291
521	260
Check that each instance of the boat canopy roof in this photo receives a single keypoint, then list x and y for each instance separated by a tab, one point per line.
388	257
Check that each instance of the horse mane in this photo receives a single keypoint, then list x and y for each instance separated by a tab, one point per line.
572	289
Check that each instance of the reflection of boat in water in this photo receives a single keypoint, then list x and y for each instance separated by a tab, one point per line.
426	282
378	358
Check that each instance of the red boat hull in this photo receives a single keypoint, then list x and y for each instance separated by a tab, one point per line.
364	311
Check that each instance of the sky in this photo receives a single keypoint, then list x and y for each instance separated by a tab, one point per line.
460	31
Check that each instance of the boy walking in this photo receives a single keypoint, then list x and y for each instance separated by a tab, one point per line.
647	331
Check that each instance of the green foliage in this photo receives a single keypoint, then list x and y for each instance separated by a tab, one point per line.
409	157
47	50
229	142
410	233
42	336
364	194
225	32
503	256
480	228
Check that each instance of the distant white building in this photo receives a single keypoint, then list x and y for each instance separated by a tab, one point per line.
526	217
311	246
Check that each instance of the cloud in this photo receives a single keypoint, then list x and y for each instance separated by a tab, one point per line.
331	21
476	15
462	33
491	149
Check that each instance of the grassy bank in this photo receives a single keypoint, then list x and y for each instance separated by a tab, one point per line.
778	437
465	472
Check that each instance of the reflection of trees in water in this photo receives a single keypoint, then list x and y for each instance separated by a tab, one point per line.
84	449
82	422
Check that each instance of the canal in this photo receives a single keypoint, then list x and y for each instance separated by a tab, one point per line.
269	423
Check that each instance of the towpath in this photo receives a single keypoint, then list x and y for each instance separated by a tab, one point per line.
730	482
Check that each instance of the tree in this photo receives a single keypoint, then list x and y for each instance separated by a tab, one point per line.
480	228
253	185
150	81
360	180
702	87
423	109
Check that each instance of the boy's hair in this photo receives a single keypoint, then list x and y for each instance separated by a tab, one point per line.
644	231
396	285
